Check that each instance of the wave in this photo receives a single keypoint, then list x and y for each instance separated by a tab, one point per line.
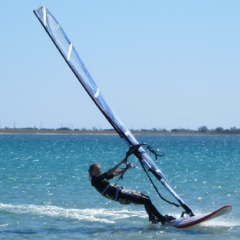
102	215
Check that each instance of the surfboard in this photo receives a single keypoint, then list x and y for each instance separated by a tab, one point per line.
74	61
185	222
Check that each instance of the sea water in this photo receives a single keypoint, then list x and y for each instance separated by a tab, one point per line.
46	193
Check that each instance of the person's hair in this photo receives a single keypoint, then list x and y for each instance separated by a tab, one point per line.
91	167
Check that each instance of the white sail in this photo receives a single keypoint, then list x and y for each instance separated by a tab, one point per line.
72	58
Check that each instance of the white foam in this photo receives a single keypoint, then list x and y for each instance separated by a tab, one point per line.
93	215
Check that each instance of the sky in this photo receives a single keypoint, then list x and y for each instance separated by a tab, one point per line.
159	64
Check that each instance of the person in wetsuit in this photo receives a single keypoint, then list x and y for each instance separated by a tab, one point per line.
123	196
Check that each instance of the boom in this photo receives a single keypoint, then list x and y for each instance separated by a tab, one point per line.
68	52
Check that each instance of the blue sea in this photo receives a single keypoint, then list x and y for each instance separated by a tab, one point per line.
46	193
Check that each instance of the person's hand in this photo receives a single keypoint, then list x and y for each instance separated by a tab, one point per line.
124	161
129	165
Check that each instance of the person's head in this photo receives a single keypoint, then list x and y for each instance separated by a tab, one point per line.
94	170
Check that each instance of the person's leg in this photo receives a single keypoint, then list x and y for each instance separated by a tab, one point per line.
151	217
138	198
153	210
156	215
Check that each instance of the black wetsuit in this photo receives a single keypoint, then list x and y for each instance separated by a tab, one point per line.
124	196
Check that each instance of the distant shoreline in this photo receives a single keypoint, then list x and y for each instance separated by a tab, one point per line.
110	132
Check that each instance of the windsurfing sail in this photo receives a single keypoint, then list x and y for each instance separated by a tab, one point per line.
73	60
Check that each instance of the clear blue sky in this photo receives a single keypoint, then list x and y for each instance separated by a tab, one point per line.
163	64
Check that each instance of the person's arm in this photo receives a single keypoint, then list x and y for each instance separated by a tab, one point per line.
113	170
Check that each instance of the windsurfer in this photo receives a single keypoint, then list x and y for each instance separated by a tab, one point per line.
123	196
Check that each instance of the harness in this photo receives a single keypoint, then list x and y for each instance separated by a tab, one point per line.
108	196
106	188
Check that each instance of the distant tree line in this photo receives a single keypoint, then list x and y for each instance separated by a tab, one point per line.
203	129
